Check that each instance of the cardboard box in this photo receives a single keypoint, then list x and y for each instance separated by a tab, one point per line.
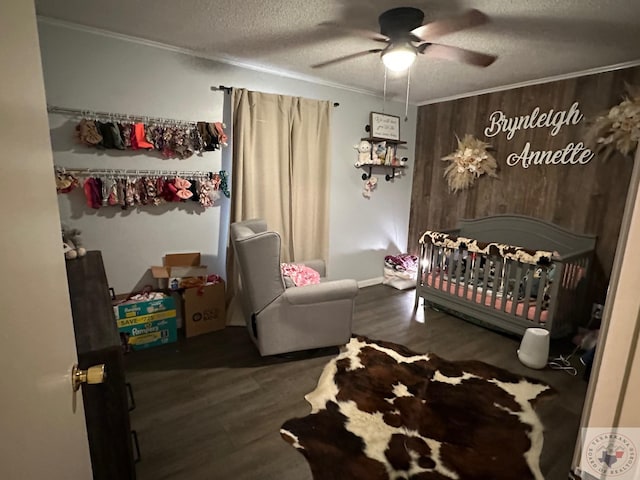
181	260
180	270
138	309
204	309
147	324
148	333
177	298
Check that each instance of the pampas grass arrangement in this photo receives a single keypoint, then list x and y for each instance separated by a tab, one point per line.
617	129
468	162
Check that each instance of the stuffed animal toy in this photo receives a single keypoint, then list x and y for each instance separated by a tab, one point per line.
364	153
369	186
380	153
72	244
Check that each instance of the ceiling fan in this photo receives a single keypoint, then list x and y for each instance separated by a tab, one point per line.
406	36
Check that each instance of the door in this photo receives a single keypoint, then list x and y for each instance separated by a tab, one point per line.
614	390
42	436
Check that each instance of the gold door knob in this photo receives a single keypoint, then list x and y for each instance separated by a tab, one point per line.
93	375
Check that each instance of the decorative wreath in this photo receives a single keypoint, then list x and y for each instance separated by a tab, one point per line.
619	128
468	162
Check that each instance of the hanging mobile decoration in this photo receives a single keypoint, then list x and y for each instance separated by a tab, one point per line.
369	186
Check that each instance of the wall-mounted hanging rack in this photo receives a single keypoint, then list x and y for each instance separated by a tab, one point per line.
122	131
104	187
221	178
87	172
123	117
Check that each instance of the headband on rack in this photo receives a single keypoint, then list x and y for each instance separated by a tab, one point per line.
172	138
129	188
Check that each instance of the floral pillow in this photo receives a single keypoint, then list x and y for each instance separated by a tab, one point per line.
298	275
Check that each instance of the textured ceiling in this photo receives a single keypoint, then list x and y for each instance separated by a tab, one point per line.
532	39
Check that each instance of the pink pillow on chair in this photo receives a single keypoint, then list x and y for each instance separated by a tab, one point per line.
300	275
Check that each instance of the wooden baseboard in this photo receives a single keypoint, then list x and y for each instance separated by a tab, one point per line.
370	282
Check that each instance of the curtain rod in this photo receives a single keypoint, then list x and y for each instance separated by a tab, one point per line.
118	116
223	88
230	89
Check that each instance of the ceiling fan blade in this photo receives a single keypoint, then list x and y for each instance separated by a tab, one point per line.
457	54
370	34
438	28
346	57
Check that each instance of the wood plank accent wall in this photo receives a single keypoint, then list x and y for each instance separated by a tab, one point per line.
582	198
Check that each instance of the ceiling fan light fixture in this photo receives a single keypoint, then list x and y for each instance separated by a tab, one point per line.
399	58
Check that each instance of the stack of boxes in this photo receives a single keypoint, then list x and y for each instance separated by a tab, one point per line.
201	305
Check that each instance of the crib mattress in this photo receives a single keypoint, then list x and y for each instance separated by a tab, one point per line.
467	291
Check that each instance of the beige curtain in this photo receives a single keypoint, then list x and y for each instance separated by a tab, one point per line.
281	166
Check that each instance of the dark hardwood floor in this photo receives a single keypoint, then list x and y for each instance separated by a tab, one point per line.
210	407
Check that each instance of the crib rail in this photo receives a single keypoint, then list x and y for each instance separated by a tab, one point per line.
504	292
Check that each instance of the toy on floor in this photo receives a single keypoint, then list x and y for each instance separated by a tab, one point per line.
72	244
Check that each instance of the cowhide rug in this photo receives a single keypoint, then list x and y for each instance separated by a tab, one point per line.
381	411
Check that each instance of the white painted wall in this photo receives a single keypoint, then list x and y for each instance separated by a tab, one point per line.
89	70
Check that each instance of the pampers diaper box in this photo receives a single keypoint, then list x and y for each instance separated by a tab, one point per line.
146	324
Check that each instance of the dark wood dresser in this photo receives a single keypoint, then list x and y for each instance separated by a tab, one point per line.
106	405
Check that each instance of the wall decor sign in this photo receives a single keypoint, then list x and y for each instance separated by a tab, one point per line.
572	154
384	126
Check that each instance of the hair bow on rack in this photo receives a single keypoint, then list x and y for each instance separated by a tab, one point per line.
65	182
130	188
182	188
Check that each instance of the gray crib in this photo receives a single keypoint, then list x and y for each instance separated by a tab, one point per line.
510	272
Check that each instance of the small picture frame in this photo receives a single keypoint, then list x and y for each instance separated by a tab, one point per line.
384	126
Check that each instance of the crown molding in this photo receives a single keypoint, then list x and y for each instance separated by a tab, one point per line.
539	81
319	81
214	58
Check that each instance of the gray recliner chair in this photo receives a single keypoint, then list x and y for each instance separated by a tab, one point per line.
281	319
